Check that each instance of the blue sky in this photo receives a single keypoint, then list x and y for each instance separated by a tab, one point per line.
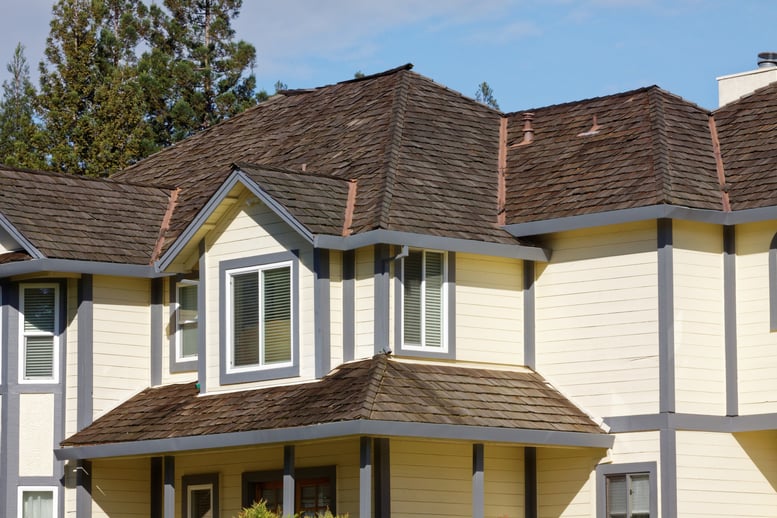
531	52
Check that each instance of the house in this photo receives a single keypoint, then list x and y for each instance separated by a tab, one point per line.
383	298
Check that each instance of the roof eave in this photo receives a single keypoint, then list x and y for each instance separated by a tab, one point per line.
340	429
25	243
78	266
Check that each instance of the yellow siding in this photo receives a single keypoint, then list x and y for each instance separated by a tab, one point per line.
71	360
36	435
431	479
336	307
121	340
251	229
120	488
699	332
597	318
566	482
489	297
636	447
364	303
504	480
755	343
723	475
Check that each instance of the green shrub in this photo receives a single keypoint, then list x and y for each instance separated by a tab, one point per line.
259	510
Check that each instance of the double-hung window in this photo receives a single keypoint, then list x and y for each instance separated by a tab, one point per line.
627	490
424	301
39	324
186	316
37	502
260	300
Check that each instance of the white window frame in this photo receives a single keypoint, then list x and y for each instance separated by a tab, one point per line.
443	310
55	335
195	487
54	490
178	335
258	269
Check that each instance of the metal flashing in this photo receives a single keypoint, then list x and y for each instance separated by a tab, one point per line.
339	429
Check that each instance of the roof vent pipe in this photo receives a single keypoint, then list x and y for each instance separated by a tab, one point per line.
767	59
528	131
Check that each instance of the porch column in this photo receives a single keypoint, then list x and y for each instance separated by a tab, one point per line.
156	488
530	481
288	480
478	482
169	493
382	479
365	477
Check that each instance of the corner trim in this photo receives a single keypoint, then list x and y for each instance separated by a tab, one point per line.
85	349
666	345
529	316
730	317
322	313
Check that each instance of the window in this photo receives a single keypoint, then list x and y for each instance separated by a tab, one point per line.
426	299
259	307
186	316
39	324
627	491
200	496
37	502
314	490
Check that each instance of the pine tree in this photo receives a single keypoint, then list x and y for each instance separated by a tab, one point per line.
20	135
485	95
91	100
196	74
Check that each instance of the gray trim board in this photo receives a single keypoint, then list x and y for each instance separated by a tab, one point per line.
666	344
70	266
202	308
530	482
652	212
691	422
157	330
478	481
259	374
200	479
339	429
84	409
773	284
382	294
730	319
450	312
668	456
169	489
365	477
382	477
529	316
84	489
4	416
288	477
25	243
605	470
322	314
349	305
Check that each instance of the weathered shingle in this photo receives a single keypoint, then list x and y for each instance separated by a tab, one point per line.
380	388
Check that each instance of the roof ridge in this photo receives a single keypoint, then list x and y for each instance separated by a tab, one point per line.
375	381
582	101
287	170
396	129
658	141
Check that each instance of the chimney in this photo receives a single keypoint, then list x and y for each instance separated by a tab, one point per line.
734	86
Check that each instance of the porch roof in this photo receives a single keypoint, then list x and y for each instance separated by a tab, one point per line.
378	396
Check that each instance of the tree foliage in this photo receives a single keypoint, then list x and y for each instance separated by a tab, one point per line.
485	95
20	135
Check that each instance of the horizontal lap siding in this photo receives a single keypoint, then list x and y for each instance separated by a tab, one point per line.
336	307
489	298
364	303
120	488
431	479
251	229
121	340
565	482
504	481
700	377
597	318
756	344
724	475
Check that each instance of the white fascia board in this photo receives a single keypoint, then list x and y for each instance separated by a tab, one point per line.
23	242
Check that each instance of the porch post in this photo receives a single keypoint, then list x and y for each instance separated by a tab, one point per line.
288	480
156	480
478	481
169	494
382	478
365	477
530	481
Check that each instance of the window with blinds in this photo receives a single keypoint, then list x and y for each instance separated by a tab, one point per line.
200	501
36	502
628	496
40	320
423	300
260	316
186	321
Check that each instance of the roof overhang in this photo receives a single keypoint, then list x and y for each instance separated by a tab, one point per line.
17	236
652	212
352	242
72	266
339	429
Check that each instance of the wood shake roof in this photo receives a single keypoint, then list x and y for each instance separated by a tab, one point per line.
381	389
72	217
